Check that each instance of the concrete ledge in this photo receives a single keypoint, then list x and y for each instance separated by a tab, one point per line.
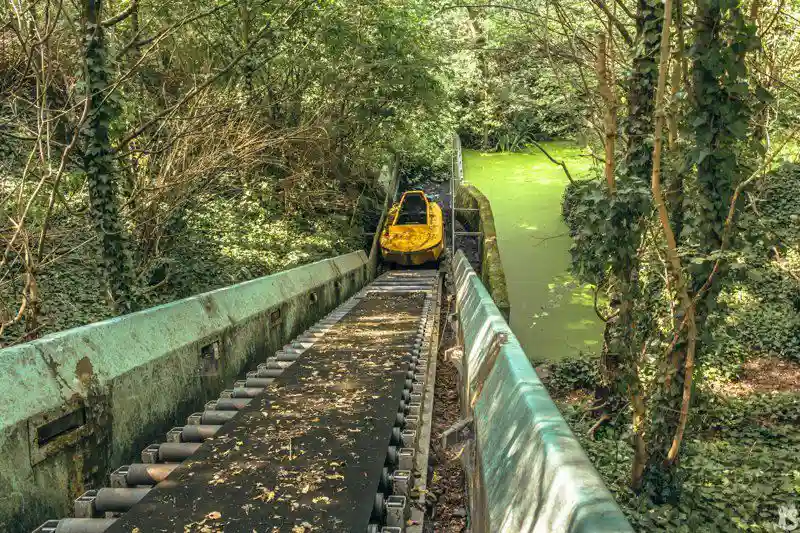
76	404
530	473
389	182
491	267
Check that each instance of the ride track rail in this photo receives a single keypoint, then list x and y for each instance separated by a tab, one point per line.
329	434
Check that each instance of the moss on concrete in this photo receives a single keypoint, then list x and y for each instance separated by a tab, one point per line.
491	267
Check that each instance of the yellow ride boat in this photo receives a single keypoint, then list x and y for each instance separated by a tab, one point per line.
414	231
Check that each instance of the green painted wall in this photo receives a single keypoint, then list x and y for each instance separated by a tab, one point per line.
135	376
531	473
552	316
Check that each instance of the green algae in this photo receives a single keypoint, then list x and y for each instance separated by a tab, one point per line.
551	314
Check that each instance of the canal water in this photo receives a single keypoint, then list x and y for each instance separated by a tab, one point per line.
551	314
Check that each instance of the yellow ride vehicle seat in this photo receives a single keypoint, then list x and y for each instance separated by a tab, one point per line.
414	210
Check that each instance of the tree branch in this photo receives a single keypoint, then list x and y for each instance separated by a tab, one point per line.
559	163
490	6
623	31
625	9
122	16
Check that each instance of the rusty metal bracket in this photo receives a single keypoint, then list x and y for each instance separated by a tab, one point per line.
459	432
52	431
497	342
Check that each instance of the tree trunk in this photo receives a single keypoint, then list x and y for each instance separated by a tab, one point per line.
720	112
98	164
610	114
642	87
479	41
618	358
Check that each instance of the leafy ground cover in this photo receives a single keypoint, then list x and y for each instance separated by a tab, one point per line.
223	240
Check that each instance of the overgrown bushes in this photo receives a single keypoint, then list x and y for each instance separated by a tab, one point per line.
252	132
737	467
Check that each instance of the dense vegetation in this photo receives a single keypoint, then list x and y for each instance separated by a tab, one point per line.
688	234
150	151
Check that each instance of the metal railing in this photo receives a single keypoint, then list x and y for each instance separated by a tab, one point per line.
456	179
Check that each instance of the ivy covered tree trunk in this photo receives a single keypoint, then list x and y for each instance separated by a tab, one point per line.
719	118
642	89
98	163
620	349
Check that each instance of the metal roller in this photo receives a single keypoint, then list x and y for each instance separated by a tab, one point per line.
246	392
378	509
143	474
397	437
385	482
76	525
170	452
253	382
118	500
274	364
391	457
94	503
266	373
198	433
232	404
214	418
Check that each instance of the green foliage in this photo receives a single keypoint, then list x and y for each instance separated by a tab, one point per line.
739	466
719	116
511	90
296	103
99	166
581	372
719	120
229	240
759	303
605	229
641	91
223	240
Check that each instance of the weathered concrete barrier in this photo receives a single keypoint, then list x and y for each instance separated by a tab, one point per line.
389	182
530	473
76	404
481	219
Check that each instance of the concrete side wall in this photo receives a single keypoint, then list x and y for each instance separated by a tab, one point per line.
123	382
389	182
492	273
531	472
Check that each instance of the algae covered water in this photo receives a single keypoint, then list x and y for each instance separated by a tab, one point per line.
551	314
